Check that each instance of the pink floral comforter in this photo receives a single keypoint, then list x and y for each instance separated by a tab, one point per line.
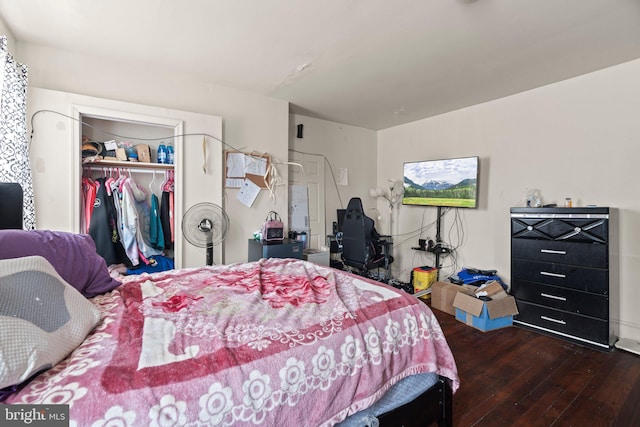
277	342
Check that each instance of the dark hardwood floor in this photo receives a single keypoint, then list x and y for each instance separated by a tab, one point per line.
517	377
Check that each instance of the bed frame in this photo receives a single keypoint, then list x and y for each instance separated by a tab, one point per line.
432	406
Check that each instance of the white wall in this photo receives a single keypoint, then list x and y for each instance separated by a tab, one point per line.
10	39
349	147
579	138
250	122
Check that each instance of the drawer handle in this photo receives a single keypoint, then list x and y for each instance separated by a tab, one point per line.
546	273
551	251
550	319
542	294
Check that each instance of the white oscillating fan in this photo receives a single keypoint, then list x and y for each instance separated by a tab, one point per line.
205	225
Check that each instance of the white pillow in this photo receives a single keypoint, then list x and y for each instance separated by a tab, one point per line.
42	318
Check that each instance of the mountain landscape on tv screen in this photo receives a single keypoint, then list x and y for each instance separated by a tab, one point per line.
438	185
447	182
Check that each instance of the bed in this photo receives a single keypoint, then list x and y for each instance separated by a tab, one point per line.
272	342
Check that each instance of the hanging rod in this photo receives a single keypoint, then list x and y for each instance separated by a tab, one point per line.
132	170
128	166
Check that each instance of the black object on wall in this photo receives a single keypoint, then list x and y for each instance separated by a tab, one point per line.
299	134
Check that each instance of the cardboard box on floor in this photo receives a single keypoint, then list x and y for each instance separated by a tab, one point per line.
443	294
486	315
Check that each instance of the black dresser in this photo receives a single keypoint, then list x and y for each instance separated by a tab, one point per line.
564	272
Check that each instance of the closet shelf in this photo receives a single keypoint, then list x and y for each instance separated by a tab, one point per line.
99	164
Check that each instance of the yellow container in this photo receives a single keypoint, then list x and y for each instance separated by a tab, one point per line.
423	278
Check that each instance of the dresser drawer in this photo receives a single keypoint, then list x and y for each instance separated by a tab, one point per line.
569	276
576	325
586	254
575	228
563	299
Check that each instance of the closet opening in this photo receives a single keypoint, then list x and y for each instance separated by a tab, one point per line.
128	196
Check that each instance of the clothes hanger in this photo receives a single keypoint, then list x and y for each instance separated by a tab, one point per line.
110	180
171	181
153	180
122	178
105	175
167	185
165	180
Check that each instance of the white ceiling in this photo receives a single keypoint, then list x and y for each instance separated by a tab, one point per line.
369	63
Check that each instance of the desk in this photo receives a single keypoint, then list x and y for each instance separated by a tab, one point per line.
287	249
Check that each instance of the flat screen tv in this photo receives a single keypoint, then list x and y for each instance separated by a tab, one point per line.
446	182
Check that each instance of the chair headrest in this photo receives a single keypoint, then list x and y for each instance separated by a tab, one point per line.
355	205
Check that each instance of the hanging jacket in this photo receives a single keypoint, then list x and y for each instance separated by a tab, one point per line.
102	226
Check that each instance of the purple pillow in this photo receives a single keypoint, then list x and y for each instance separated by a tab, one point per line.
73	256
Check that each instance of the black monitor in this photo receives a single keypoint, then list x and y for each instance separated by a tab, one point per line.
340	213
11	206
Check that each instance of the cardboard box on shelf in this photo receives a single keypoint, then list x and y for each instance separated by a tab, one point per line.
144	154
443	294
121	154
486	315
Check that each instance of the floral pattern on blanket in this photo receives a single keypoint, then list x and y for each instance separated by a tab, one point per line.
275	342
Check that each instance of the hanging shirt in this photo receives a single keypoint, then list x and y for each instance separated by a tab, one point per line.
165	219
117	203
89	188
156	235
116	197
130	222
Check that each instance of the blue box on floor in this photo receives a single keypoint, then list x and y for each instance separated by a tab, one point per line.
485	315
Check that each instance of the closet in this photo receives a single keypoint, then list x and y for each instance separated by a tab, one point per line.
128	199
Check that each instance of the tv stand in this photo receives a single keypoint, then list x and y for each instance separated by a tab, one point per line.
438	250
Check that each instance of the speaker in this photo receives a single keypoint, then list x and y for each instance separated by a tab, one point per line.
299	134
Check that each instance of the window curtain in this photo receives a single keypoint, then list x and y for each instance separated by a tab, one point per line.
14	146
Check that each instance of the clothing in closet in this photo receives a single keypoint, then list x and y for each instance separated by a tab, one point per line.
166	218
156	235
127	226
136	223
102	225
88	199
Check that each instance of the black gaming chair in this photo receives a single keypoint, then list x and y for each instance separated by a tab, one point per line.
357	244
10	206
